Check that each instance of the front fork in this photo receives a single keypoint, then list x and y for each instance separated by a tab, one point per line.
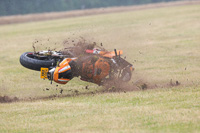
50	74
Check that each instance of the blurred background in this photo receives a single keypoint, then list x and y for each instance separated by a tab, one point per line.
16	7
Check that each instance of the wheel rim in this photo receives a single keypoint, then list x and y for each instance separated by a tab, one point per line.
35	56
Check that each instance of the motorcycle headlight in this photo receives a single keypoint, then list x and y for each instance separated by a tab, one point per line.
126	75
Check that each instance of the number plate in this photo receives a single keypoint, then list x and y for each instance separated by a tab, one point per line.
44	72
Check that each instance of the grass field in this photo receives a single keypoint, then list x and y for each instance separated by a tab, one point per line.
162	43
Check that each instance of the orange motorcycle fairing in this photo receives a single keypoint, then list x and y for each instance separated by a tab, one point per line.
101	70
112	54
95	72
104	53
62	68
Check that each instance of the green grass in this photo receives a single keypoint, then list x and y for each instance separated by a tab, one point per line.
166	110
162	44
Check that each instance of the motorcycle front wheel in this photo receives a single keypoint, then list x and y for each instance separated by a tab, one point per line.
33	62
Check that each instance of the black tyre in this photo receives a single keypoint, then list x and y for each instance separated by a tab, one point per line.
28	60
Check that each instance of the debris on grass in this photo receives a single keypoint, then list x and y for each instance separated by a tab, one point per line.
7	99
144	86
61	91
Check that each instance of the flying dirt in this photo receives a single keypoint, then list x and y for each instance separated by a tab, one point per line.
90	62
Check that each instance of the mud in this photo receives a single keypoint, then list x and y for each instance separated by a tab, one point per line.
7	99
116	87
109	87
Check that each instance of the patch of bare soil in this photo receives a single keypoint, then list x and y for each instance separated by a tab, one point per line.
113	86
139	85
77	13
110	87
7	99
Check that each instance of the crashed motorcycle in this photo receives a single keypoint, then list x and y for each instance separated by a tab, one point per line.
89	63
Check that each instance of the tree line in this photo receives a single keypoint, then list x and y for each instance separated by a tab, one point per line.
15	7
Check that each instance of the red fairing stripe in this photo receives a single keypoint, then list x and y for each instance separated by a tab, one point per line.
89	51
